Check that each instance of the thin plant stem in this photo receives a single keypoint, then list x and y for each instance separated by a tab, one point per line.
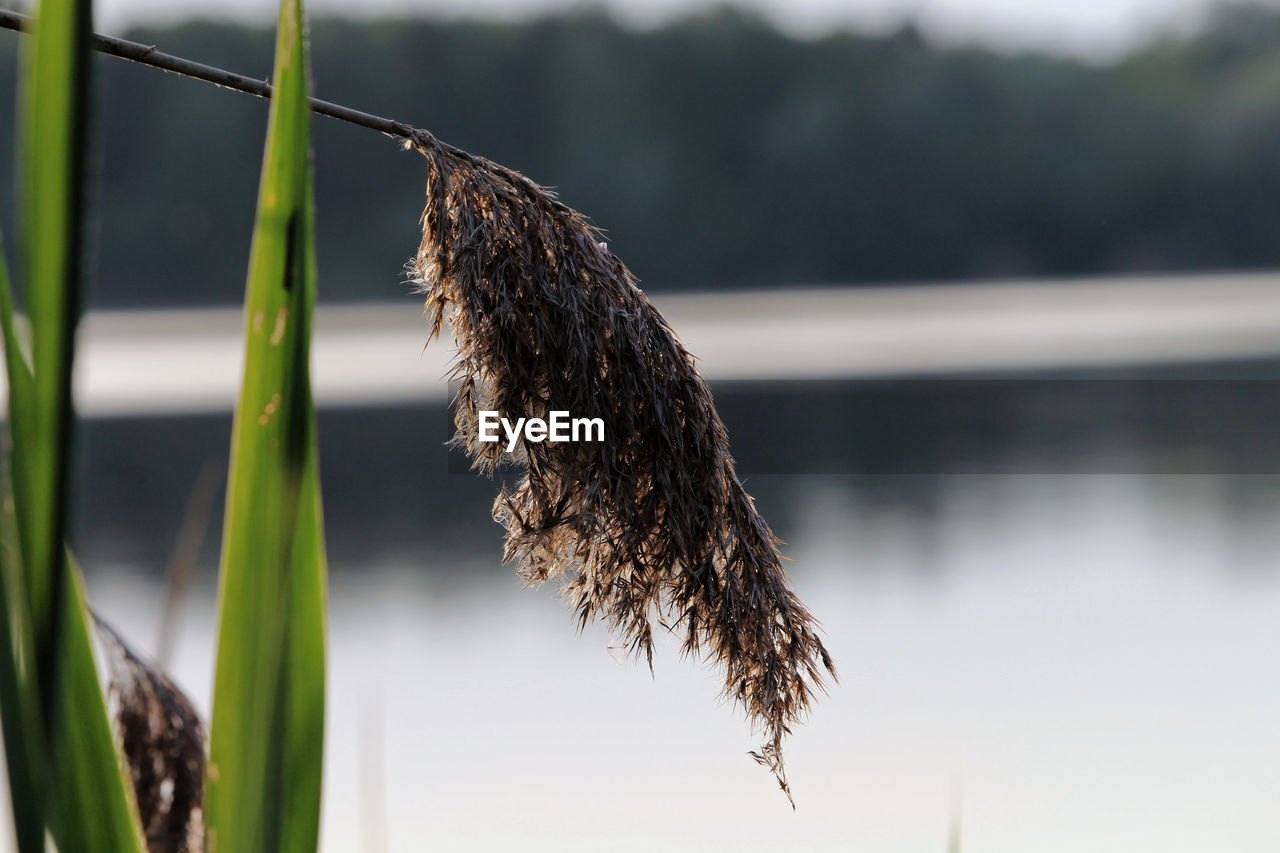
186	552
149	55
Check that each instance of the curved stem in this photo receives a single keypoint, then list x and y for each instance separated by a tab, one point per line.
148	55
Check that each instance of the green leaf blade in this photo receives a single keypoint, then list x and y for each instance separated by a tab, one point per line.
55	105
53	701
266	738
90	813
20	716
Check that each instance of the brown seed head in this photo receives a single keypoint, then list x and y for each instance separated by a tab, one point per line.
652	523
162	742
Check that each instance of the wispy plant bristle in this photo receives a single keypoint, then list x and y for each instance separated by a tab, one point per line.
652	524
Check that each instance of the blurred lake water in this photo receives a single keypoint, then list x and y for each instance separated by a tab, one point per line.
1052	601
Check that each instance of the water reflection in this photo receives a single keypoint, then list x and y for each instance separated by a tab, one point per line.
392	490
1080	637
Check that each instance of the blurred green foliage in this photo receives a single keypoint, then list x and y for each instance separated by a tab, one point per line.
716	151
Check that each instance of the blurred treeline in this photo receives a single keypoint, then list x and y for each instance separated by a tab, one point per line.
716	151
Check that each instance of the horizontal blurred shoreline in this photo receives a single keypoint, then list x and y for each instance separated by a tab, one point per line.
164	362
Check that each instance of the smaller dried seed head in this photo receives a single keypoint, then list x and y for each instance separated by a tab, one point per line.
652	524
162	742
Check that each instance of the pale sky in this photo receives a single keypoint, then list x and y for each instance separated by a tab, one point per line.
1095	28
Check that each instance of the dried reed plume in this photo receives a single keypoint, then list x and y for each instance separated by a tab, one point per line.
651	521
162	742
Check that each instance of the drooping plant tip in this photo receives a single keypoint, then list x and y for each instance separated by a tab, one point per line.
651	524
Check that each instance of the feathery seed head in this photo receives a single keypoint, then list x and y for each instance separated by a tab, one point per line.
652	522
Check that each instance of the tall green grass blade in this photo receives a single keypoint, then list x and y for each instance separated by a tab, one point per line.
92	810
19	687
21	423
266	738
54	123
86	802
